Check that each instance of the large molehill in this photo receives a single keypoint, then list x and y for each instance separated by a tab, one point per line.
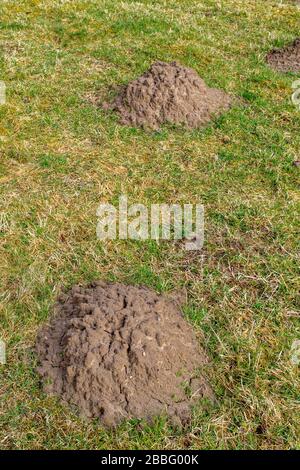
119	352
168	93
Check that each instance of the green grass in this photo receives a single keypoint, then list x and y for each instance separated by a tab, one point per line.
61	155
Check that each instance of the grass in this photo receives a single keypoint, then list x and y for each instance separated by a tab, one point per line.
61	155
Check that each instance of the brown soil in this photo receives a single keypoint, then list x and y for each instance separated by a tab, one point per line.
120	352
168	93
286	59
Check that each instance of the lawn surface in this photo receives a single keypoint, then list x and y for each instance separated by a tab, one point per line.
60	155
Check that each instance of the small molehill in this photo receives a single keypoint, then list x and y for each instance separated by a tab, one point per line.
121	352
286	59
168	93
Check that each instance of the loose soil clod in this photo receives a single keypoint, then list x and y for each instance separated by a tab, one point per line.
168	93
286	59
120	352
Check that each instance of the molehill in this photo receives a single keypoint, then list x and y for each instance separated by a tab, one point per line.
119	352
168	93
286	59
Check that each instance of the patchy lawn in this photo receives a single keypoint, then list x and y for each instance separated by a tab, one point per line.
61	155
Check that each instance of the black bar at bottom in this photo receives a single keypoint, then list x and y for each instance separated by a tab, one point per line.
134	459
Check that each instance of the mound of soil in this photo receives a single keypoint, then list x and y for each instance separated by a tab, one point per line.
286	59
168	93
120	352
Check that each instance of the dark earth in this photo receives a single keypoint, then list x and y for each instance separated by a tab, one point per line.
119	352
286	59
168	93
